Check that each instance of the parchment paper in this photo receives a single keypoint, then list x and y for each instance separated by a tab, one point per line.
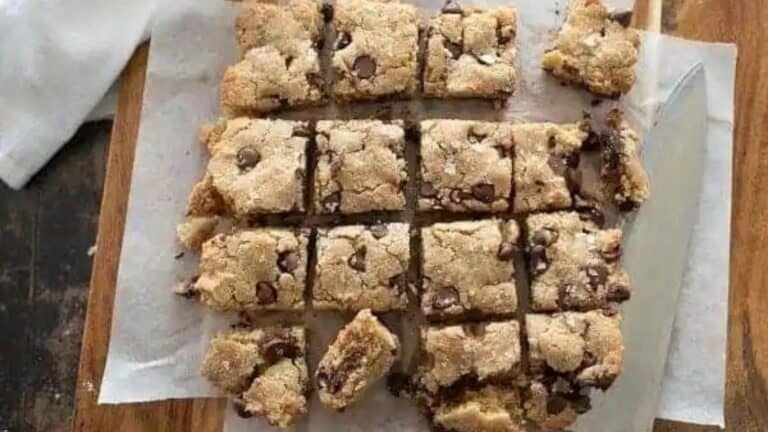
158	338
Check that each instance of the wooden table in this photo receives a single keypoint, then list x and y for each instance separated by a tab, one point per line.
740	21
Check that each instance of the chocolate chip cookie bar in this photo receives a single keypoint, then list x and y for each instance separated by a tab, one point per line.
471	53
362	267
360	166
468	268
257	166
265	369
262	269
570	353
375	51
280	66
362	353
622	171
594	50
487	409
573	263
546	157
479	352
465	165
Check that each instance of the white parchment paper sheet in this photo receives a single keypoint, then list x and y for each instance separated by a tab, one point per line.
158	339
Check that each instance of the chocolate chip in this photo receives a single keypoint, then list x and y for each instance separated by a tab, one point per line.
288	261
454	48
399	283
588	360
357	260
610	310
619	292
538	260
506	251
597	275
476	330
588	211
451	7
612	254
342	40
278	348
265	293
427	190
330	382
484	192
238	404
475	137
628	205
364	66
379	231
327	11
187	290
288	61
331	203
247	158
556	404
445	297
623	18
544	236
581	404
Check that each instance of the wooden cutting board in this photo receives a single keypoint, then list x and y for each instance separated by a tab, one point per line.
740	21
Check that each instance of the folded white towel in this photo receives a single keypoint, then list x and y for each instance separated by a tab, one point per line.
57	60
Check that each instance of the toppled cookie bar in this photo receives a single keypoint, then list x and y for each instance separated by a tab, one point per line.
265	369
375	52
257	166
574	264
471	352
360	166
570	353
362	353
622	170
263	268
471	53
468	268
594	50
465	165
487	409
546	158
362	267
280	66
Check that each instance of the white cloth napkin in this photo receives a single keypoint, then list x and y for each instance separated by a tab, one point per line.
57	60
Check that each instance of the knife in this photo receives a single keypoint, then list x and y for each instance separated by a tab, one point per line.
656	244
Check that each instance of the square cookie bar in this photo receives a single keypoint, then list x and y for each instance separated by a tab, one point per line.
570	353
546	157
360	166
574	264
257	166
262	269
280	67
375	52
471	53
465	165
594	50
622	170
465	353
362	267
486	409
265	369
468	268
362	353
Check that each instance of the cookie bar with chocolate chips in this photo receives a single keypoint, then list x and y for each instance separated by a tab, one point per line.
574	264
476	352
546	157
257	166
468	268
471	53
362	353
489	408
570	353
465	165
262	268
280	66
265	369
622	170
361	267
375	51
594	50
360	166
